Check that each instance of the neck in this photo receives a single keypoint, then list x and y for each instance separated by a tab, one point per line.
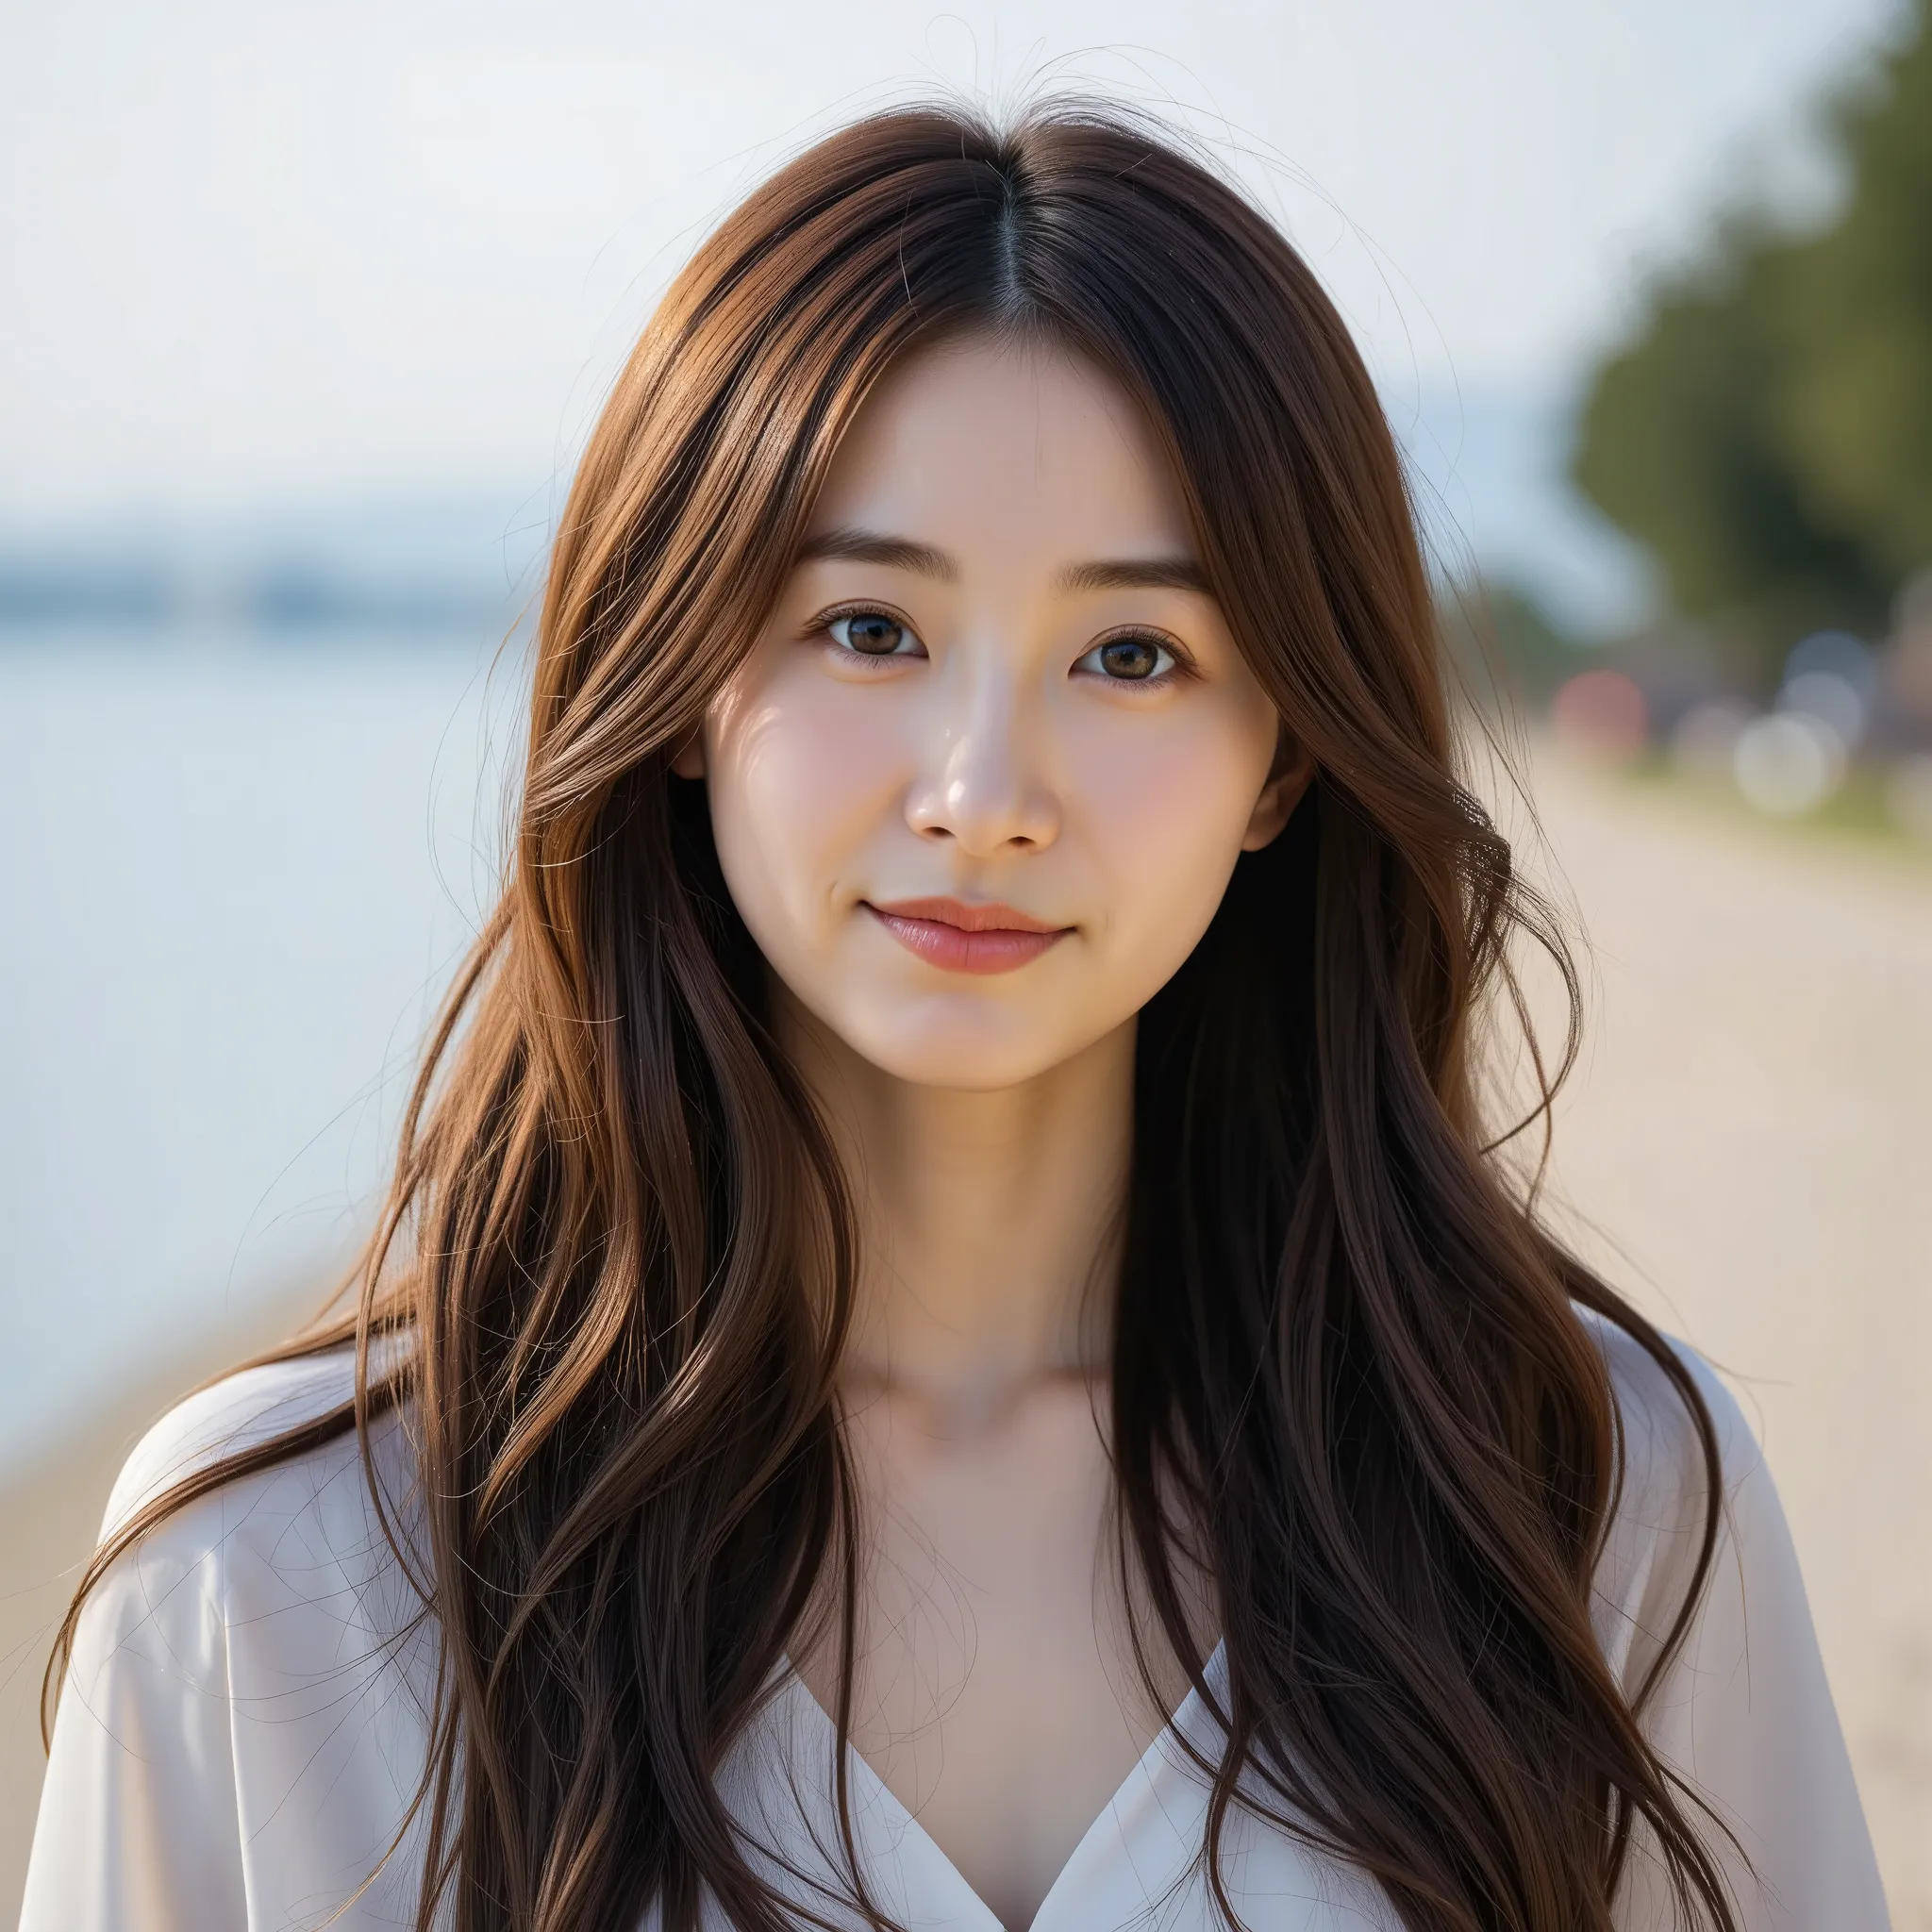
988	1221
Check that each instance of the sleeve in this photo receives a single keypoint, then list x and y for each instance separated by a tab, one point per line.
1742	1712
139	1824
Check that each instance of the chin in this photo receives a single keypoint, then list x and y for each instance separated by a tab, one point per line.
979	1055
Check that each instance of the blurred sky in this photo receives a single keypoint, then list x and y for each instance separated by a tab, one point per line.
286	253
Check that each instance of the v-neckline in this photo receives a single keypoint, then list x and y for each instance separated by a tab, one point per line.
904	1822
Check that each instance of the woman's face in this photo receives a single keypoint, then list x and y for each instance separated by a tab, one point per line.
979	786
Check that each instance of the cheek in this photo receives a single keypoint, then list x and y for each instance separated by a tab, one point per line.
1165	808
799	784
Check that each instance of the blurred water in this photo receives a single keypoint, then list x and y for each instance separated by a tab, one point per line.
235	875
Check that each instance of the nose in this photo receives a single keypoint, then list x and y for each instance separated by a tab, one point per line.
982	785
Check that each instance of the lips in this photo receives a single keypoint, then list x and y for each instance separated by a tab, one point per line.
958	936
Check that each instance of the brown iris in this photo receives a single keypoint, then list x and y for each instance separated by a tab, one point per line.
1130	657
873	633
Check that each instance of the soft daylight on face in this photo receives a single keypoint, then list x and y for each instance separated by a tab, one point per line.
980	785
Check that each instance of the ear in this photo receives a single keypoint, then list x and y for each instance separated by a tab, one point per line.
1293	772
687	760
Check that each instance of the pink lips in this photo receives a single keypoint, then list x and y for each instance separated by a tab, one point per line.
961	937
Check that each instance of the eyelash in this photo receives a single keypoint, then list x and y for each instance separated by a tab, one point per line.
1181	667
821	627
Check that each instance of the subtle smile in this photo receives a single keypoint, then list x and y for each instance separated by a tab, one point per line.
961	937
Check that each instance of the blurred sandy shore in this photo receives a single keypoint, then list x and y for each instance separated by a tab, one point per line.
1746	1150
1752	1120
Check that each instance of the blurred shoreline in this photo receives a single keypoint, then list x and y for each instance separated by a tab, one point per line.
413	568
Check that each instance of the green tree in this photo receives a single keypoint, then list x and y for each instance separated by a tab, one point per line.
1768	434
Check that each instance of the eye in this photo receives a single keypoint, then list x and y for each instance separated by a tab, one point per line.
1137	658
873	634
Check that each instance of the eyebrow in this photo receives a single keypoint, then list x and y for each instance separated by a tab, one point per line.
902	553
871	546
1137	574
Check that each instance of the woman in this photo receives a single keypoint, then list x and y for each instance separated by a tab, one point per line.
946	1349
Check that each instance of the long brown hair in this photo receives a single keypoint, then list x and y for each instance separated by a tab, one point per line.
1350	1377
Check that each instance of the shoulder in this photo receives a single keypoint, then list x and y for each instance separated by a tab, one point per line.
1667	1511
241	1411
247	1699
1660	1442
1719	1659
312	1525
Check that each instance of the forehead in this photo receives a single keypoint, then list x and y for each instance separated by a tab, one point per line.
1021	449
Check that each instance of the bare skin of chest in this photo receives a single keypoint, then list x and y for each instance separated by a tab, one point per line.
996	1693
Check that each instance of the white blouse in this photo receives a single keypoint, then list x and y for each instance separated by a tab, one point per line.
245	1721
